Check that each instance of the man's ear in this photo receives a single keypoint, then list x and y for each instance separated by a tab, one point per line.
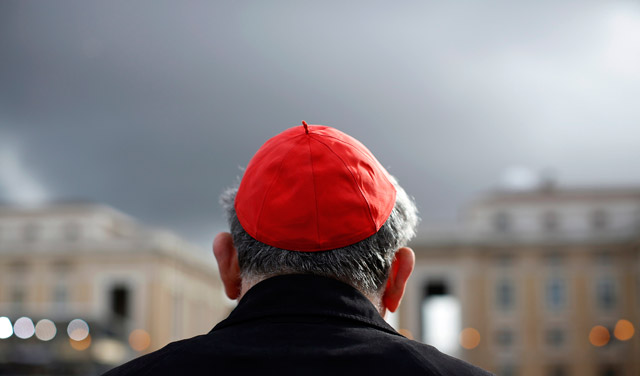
401	269
227	257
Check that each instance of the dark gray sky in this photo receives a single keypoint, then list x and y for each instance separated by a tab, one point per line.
152	107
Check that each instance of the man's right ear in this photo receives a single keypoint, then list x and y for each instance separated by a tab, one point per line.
227	257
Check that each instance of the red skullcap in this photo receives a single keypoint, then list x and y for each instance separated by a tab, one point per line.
313	188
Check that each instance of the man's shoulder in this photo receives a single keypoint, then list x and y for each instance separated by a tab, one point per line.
159	361
395	352
436	362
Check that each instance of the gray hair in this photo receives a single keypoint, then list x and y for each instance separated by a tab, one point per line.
364	265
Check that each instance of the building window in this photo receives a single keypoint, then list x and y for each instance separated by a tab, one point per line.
606	293
62	266
556	293
18	295
18	298
120	302
436	288
60	294
554	259
599	219
558	370
31	232
508	370
504	260
119	310
555	337
550	221
505	295
18	266
504	338
501	222
71	232
604	258
608	370
60	297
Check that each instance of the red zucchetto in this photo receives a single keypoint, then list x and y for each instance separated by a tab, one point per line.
313	188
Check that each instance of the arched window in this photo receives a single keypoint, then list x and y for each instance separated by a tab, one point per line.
120	305
505	295
550	221
502	222
606	293
599	219
556	293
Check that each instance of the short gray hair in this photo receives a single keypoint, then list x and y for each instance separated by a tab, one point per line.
364	265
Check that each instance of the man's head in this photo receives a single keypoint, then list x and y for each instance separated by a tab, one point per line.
313	200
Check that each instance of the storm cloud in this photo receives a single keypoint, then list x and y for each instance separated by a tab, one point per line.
154	107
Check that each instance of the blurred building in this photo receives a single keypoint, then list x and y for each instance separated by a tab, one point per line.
544	282
132	288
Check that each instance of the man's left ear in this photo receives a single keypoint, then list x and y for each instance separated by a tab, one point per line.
401	269
227	258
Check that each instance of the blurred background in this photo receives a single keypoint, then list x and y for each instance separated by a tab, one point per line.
513	124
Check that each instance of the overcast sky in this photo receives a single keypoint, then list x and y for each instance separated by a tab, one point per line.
153	107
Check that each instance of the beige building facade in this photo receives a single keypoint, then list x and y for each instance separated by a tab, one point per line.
543	282
136	288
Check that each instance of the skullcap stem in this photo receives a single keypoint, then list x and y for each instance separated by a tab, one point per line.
306	127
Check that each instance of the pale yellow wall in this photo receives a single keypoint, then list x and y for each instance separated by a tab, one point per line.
528	269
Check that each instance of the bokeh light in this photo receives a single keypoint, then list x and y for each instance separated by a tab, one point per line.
469	338
23	328
624	330
599	336
46	330
109	351
139	340
78	330
82	344
6	329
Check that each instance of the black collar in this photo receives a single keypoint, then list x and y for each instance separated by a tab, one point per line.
299	294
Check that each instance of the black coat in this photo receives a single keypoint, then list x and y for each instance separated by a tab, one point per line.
299	325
